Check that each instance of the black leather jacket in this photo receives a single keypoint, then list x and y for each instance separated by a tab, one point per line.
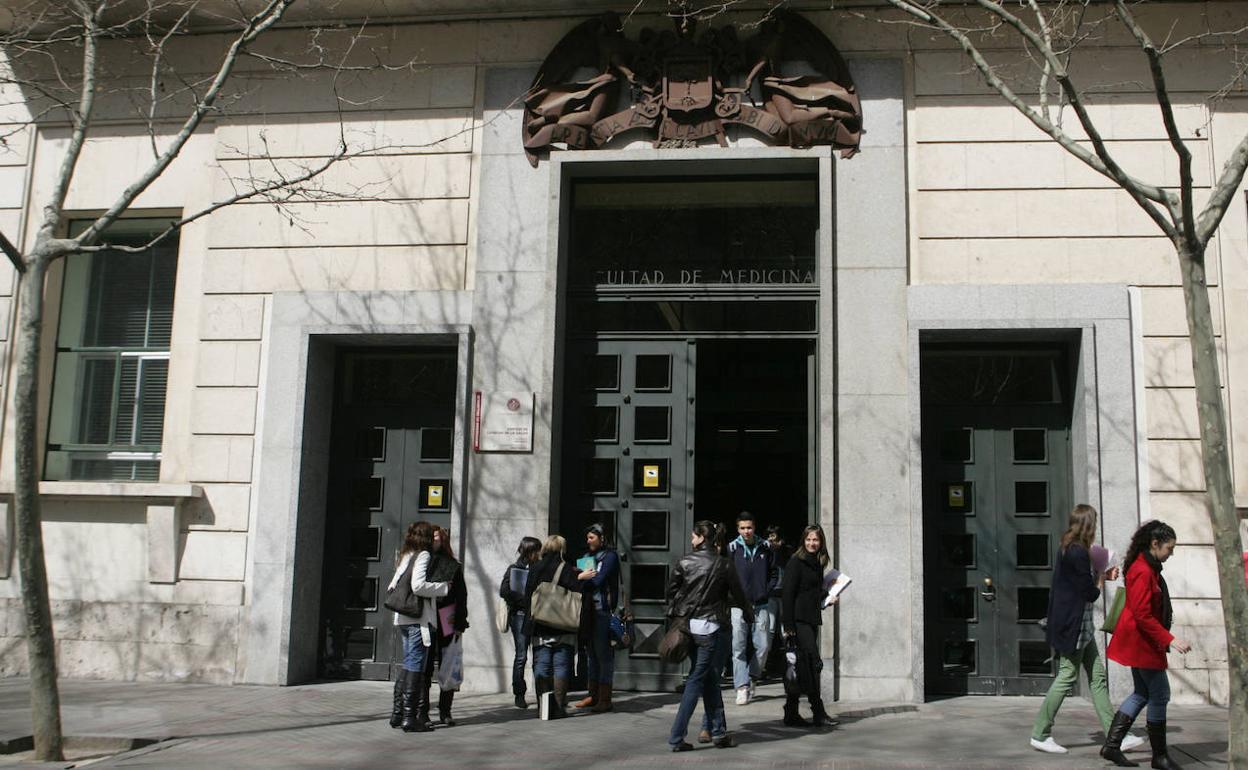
704	584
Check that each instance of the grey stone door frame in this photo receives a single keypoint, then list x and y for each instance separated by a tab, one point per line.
1105	430
279	635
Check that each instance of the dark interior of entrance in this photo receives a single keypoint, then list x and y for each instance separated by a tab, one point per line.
753	433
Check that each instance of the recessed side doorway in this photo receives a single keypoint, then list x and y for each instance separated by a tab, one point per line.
996	422
390	465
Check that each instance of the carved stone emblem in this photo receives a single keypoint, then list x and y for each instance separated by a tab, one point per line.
684	88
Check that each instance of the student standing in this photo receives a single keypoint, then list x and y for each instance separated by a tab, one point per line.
603	584
756	568
443	567
526	555
552	647
802	613
1070	631
1141	640
700	590
415	630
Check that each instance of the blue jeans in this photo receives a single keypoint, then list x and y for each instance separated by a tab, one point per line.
414	652
521	639
1152	686
703	683
721	658
760	633
601	654
552	661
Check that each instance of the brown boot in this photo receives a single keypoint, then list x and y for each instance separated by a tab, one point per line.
591	699
604	698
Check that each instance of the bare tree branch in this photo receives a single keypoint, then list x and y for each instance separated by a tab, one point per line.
256	25
1187	221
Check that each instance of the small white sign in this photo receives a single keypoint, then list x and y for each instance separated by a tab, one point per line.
503	422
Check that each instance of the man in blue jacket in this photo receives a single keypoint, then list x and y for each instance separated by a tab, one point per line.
756	568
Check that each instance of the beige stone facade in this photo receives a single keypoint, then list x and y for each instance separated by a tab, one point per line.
990	202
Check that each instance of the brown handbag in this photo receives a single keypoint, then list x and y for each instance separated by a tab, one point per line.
674	647
555	606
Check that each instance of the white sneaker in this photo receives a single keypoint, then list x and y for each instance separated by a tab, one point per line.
743	695
1048	745
1132	742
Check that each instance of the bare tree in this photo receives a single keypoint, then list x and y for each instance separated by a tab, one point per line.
59	63
1036	80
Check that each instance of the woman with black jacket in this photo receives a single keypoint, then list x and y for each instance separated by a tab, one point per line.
1070	632
801	611
444	567
701	588
517	610
553	648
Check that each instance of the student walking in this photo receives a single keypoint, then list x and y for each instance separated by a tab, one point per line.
1141	640
1070	631
415	630
701	588
443	567
552	647
517	610
801	611
603	586
756	568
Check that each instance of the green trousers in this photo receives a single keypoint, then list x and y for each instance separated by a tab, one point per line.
1067	675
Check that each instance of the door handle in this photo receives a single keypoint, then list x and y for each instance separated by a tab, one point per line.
990	591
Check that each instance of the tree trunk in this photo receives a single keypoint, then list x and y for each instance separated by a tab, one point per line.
45	706
1227	543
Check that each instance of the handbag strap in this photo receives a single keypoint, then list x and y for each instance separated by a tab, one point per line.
558	572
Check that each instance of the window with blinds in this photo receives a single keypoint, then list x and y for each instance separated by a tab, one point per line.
112	358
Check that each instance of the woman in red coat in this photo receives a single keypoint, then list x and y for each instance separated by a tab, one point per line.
1141	640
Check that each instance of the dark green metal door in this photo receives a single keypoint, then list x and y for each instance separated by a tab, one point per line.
996	494
390	465
629	423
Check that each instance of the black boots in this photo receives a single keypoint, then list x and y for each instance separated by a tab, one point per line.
821	716
1112	750
791	717
561	697
426	681
1157	739
445	699
413	695
396	714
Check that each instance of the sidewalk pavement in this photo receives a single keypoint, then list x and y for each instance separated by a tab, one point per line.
344	725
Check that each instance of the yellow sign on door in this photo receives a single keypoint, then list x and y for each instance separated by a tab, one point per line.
650	476
957	496
434	496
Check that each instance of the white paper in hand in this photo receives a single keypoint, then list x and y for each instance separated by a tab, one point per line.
839	584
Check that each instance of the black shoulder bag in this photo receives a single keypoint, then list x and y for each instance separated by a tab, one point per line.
400	598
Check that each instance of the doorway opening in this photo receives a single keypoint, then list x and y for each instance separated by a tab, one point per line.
689	314
753	433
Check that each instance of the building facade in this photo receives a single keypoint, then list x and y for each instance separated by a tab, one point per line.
933	349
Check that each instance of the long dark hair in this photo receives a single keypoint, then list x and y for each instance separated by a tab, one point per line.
419	538
445	535
1082	527
822	554
1143	538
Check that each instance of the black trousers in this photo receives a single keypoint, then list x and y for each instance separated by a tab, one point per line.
808	648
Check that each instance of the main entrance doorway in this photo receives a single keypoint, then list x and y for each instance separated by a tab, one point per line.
688	371
389	466
996	494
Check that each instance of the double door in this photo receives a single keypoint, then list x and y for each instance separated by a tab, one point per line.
389	466
996	494
629	441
